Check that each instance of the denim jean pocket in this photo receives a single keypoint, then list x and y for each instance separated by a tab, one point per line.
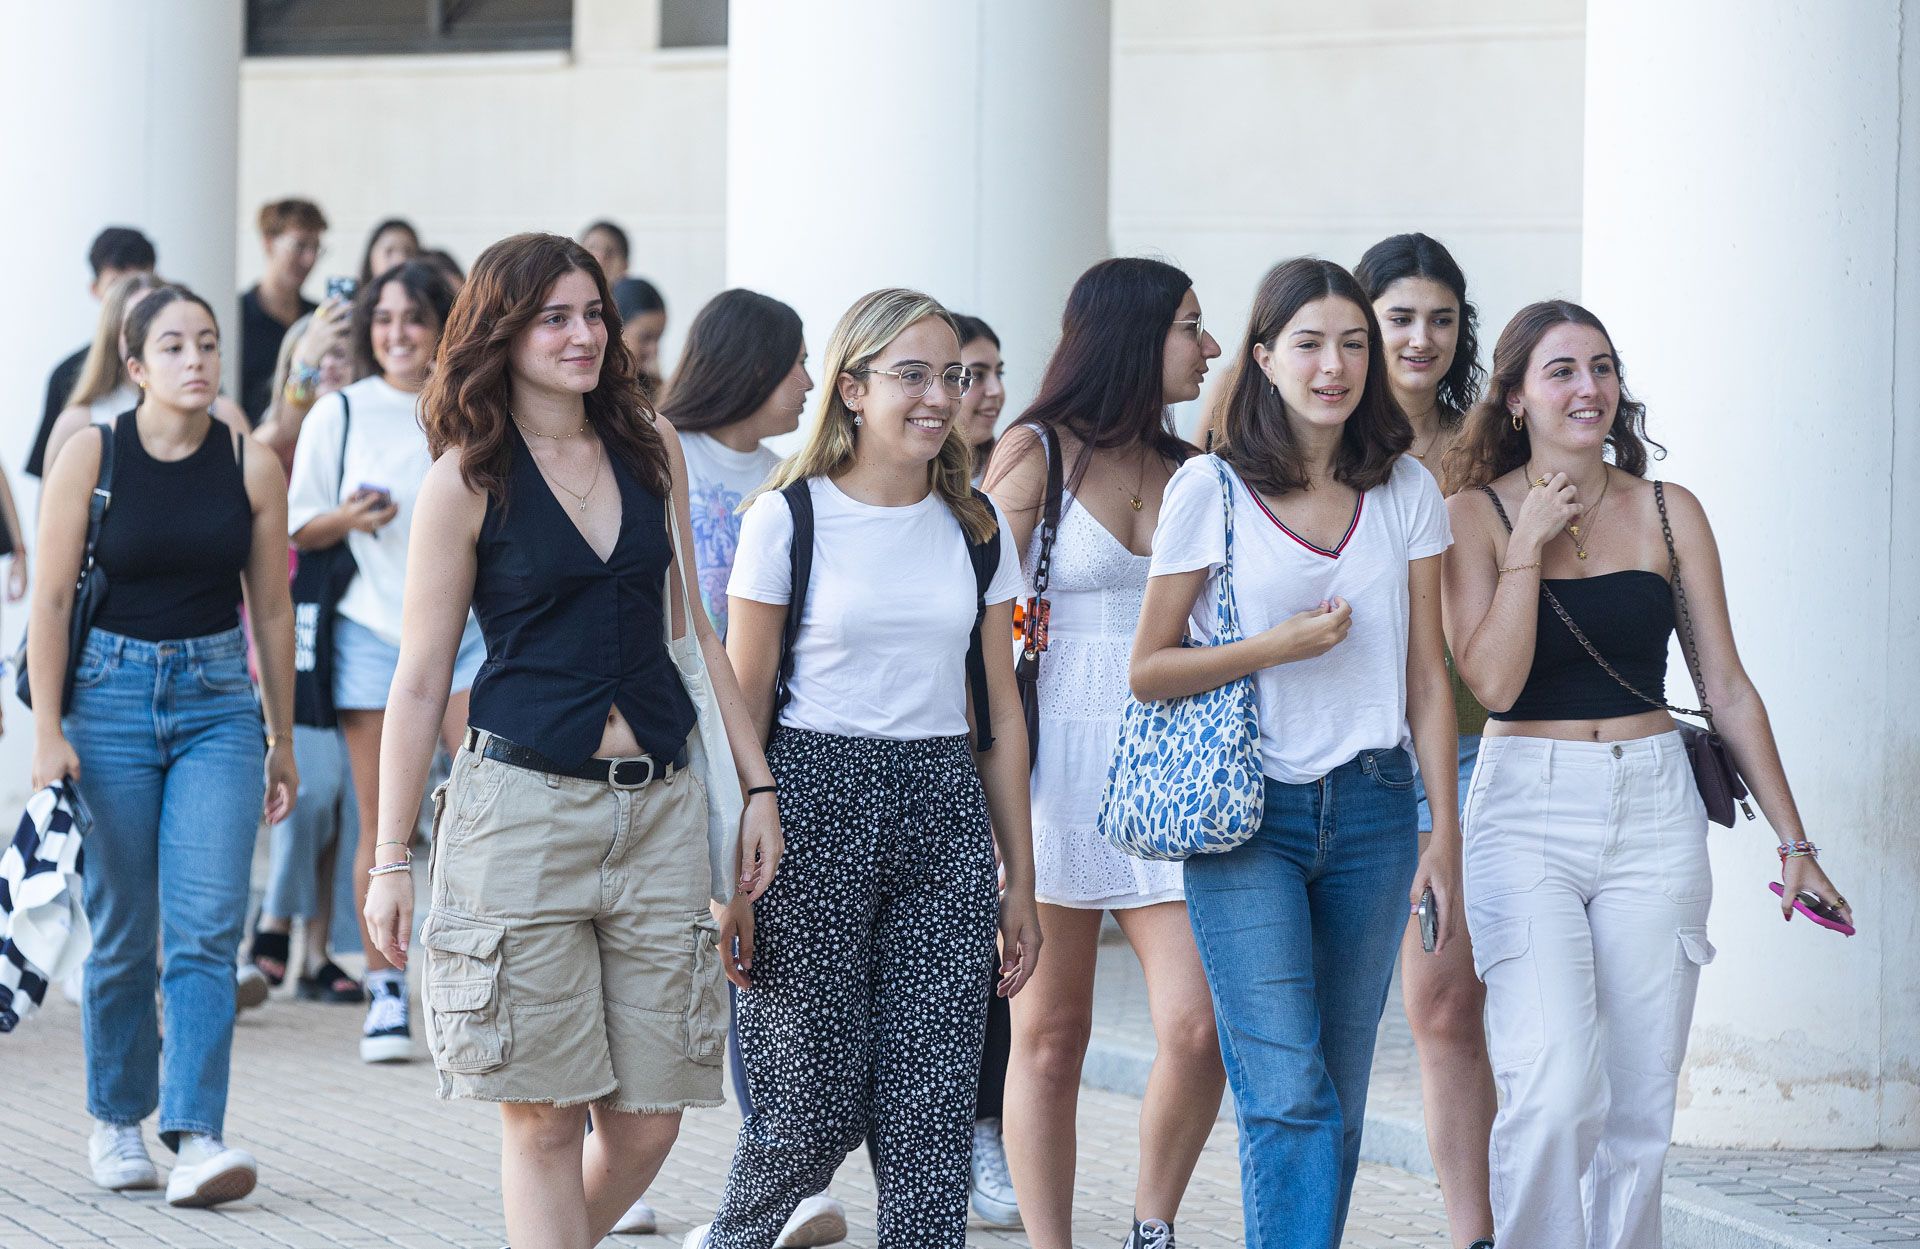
96	665
468	1027
706	1013
224	674
1503	960
1692	951
1390	769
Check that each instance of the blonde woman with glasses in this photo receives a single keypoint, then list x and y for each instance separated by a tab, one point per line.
871	951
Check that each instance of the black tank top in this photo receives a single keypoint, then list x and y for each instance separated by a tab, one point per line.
175	538
568	635
1628	616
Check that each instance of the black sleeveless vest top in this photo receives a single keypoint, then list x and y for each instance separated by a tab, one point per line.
569	635
175	538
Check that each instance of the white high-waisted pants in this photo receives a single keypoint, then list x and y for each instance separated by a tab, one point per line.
1587	887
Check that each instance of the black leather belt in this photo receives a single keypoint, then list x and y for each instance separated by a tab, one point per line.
635	772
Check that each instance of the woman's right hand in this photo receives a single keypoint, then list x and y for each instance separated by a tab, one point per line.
327	330
368	510
1308	634
389	915
53	760
1544	512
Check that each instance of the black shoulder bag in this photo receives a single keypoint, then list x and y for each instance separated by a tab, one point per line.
90	589
320	577
1714	771
985	557
1032	626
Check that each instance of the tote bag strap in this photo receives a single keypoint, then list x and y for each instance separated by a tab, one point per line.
1226	612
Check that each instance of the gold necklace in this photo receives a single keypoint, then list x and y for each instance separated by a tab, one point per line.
1573	527
1139	485
599	455
572	433
1431	439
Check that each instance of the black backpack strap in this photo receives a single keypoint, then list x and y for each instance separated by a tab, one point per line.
986	561
346	423
799	497
102	496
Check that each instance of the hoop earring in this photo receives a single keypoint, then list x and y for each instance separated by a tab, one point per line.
1519	422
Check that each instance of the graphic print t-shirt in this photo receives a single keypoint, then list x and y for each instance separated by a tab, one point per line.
718	477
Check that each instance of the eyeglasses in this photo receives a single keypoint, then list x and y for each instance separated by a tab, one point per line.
1192	322
917	379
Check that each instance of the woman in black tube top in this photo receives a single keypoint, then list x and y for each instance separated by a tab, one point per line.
1586	873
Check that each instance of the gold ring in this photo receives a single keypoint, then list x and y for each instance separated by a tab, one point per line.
1540	482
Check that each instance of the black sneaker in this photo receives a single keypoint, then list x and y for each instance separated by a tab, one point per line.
1483	1243
386	1038
1151	1234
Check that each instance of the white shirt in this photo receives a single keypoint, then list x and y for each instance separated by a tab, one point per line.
1315	714
718	478
386	447
882	650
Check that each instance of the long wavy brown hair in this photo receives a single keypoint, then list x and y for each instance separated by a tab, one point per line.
1489	447
1257	438
467	395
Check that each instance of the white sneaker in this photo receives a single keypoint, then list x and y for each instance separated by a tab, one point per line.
386	1038
992	1200
119	1157
639	1219
819	1220
697	1237
208	1173
250	987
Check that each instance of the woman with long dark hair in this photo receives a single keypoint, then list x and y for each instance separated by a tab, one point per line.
1428	328
1132	342
583	878
163	735
1334	538
980	407
1587	876
391	242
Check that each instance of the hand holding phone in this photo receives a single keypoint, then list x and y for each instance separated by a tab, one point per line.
1816	908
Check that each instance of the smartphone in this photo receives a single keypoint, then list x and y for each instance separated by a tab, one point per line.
1816	908
342	287
1429	921
367	487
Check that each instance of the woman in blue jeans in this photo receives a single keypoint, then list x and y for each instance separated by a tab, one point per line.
163	737
1335	562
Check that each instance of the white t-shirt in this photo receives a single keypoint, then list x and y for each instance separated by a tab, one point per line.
882	650
386	447
1315	714
718	477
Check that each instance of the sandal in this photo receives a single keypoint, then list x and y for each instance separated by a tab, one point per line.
329	983
269	954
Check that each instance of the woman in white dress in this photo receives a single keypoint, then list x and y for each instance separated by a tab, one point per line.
1131	344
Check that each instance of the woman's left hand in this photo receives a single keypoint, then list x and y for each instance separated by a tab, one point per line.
1439	871
283	780
761	845
1804	872
1019	939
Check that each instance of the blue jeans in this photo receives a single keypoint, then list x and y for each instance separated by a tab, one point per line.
1469	755
1297	930
325	817
172	754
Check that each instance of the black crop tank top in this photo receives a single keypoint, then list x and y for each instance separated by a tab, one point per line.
569	635
1628	616
175	538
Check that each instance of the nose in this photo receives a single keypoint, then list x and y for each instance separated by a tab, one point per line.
937	398
1209	346
1417	337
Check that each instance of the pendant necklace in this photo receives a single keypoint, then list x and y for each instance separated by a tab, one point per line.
600	454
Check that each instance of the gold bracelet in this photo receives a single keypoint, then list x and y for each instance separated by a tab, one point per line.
1504	570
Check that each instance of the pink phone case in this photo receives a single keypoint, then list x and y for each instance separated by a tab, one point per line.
1845	930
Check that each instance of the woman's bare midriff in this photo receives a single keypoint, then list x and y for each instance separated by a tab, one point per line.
1649	723
616	738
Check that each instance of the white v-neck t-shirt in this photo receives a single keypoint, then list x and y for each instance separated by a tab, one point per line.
1315	714
890	605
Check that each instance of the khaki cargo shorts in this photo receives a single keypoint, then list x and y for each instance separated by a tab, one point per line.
570	953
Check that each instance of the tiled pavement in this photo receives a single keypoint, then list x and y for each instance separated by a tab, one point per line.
366	1156
1715	1199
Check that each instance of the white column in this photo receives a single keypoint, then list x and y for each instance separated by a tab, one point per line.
960	148
112	112
1752	239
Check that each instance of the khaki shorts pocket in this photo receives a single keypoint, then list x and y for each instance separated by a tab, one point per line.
467	1024
1503	960
706	997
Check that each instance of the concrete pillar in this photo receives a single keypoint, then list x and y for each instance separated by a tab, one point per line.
959	148
112	112
1752	239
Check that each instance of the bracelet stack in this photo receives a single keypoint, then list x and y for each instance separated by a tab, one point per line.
1798	850
398	865
302	381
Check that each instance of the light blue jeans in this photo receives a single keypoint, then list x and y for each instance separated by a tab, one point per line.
172	754
1297	930
326	815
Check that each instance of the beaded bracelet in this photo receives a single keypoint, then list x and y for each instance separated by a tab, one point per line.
1505	569
387	869
1797	850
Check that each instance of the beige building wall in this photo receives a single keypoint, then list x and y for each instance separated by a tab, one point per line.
1243	131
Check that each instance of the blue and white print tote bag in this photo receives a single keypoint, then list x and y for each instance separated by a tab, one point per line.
1185	779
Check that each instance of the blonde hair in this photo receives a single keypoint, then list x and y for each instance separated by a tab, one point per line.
875	320
104	371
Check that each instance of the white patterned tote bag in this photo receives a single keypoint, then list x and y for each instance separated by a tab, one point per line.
1185	779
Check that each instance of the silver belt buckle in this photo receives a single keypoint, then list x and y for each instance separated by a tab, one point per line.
613	772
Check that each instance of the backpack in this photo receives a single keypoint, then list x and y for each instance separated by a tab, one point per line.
985	557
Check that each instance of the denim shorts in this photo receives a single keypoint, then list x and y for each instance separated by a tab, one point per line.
363	664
